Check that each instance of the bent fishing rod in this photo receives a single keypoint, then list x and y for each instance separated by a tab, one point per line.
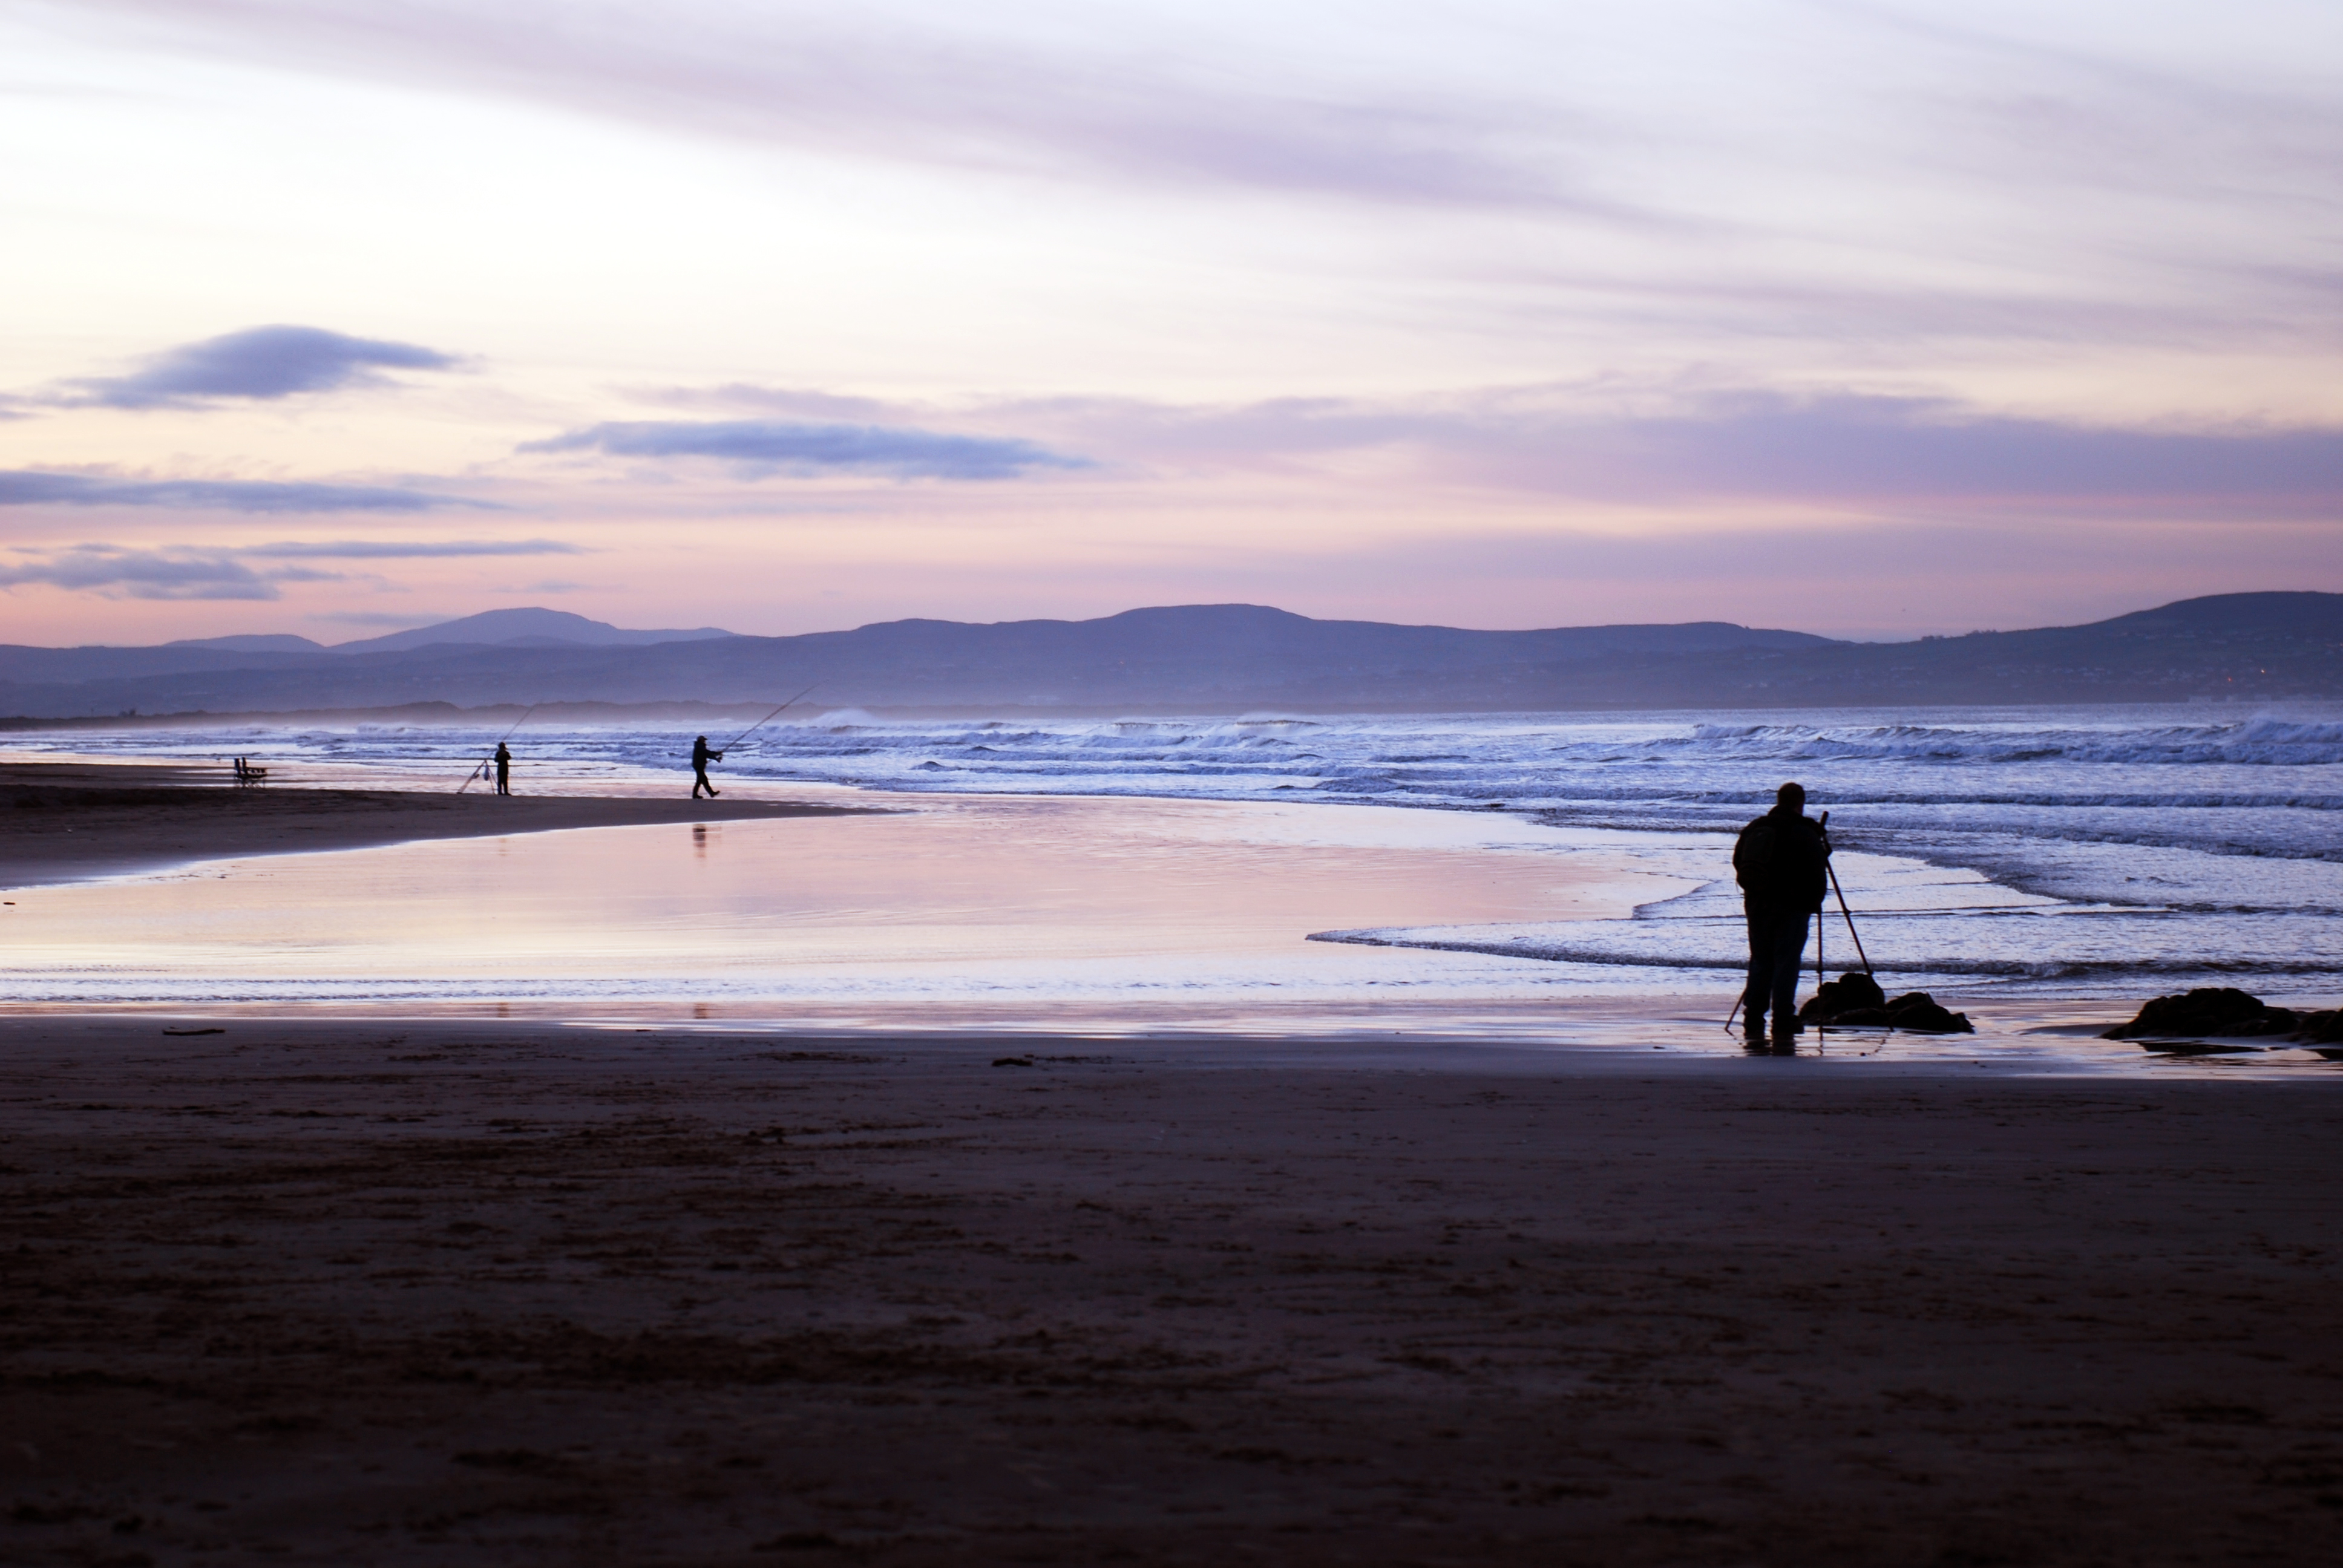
507	735
776	713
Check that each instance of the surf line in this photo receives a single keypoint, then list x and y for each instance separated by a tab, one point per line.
480	770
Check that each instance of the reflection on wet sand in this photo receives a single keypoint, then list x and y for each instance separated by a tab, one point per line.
1074	916
1099	901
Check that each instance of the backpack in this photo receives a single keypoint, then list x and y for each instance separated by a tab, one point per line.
1757	855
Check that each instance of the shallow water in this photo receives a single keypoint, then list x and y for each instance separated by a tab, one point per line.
1107	918
945	903
2029	854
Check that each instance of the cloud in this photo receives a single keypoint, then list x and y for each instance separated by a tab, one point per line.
1751	445
225	572
143	574
261	362
1861	446
31	488
1601	443
1584	183
799	402
1149	101
420	550
760	446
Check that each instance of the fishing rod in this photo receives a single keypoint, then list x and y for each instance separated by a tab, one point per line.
477	770
776	713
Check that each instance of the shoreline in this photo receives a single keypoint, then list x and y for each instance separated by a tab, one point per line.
865	929
469	1292
68	822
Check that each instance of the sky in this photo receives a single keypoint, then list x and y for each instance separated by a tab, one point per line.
1878	319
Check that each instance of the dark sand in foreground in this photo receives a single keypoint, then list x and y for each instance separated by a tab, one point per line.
60	821
455	1293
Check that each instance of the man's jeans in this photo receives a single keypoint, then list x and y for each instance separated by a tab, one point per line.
1777	941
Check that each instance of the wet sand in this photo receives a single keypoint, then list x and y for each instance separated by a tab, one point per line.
63	821
926	912
470	1293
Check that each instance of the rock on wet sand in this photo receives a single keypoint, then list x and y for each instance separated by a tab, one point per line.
2221	1010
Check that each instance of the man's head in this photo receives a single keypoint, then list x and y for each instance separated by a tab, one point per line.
1790	798
703	740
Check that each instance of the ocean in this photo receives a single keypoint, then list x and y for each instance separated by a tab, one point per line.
2047	853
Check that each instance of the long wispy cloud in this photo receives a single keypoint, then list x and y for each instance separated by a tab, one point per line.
1865	447
33	487
144	574
229	571
258	364
1770	446
1524	107
919	85
407	549
760	446
1600	444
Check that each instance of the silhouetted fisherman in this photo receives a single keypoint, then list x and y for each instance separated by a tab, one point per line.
504	769
1782	862
701	758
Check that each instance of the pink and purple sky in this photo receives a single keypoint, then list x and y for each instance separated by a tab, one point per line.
1874	317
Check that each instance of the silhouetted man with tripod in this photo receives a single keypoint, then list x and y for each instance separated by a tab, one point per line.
1781	861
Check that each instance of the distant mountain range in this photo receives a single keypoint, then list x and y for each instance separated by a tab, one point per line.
1204	659
496	627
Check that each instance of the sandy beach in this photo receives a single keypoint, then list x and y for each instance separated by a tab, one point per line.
284	1282
469	1293
63	821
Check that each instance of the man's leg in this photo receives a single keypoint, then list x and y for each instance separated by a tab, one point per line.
1789	947
1759	990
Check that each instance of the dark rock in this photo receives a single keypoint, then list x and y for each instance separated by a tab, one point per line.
1916	1011
2322	1028
1920	1013
2207	1009
1851	991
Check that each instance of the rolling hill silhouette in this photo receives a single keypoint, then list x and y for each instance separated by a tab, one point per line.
1209	659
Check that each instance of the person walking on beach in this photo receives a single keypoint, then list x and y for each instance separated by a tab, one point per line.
701	758
504	769
1782	862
